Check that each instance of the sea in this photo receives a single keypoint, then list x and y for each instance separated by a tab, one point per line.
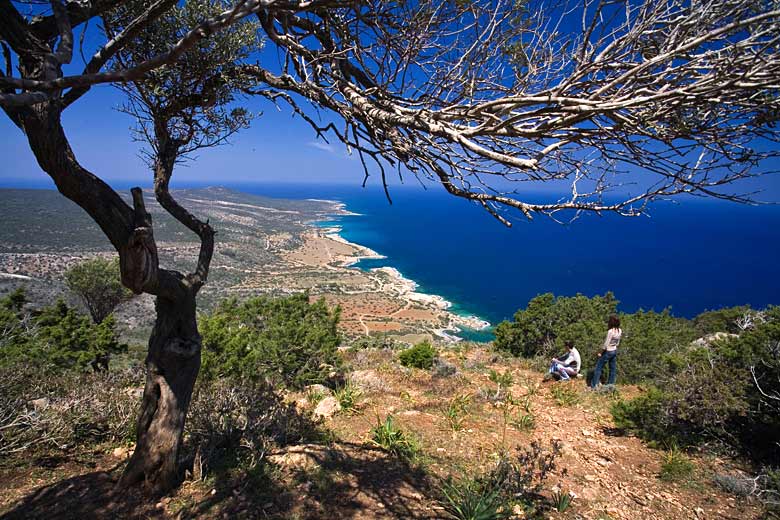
688	257
691	256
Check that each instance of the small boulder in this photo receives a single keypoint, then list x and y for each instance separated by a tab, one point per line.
318	389
39	404
327	408
442	368
709	339
366	380
122	452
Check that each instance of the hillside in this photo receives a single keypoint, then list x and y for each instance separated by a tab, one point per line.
318	452
346	475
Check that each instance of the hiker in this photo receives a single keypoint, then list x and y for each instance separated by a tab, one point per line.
608	353
567	365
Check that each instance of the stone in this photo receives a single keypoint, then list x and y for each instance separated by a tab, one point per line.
709	339
318	389
327	408
366	380
122	452
442	368
40	404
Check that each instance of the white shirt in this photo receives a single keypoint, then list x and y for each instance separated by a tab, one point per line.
573	357
612	340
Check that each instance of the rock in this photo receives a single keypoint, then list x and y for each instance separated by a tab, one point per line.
39	404
587	433
327	408
122	452
366	380
318	389
699	512
442	368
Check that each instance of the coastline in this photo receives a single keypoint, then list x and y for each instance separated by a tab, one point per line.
399	285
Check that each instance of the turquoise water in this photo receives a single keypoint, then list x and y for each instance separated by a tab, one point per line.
691	257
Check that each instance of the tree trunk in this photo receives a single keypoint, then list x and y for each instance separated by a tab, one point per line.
172	365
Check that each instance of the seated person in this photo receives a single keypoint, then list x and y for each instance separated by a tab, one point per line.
567	365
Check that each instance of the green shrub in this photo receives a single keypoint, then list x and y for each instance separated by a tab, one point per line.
645	417
97	282
512	481
676	466
468	499
54	338
287	340
565	394
419	356
548	321
392	439
456	411
561	500
721	320
348	396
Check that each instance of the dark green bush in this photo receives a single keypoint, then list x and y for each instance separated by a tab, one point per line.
721	391
548	322
419	356
54	338
287	340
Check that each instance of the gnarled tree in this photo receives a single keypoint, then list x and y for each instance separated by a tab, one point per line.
179	108
677	97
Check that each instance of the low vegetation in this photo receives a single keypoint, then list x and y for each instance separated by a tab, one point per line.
419	356
54	338
288	340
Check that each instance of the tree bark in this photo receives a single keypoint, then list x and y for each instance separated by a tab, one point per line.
172	365
173	358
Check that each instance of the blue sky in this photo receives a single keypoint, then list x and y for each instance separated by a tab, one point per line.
278	148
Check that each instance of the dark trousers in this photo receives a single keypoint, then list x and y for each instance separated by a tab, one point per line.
605	357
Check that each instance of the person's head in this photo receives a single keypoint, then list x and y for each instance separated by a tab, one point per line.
569	345
614	322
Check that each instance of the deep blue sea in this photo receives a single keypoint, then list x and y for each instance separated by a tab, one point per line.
692	256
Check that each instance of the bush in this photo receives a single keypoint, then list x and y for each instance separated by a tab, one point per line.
709	393
287	340
512	481
97	282
469	499
392	439
39	413
676	466
54	338
419	356
234	422
544	326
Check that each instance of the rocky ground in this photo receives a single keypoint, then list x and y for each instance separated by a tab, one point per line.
346	475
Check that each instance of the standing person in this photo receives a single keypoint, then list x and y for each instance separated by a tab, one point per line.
608	353
568	365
